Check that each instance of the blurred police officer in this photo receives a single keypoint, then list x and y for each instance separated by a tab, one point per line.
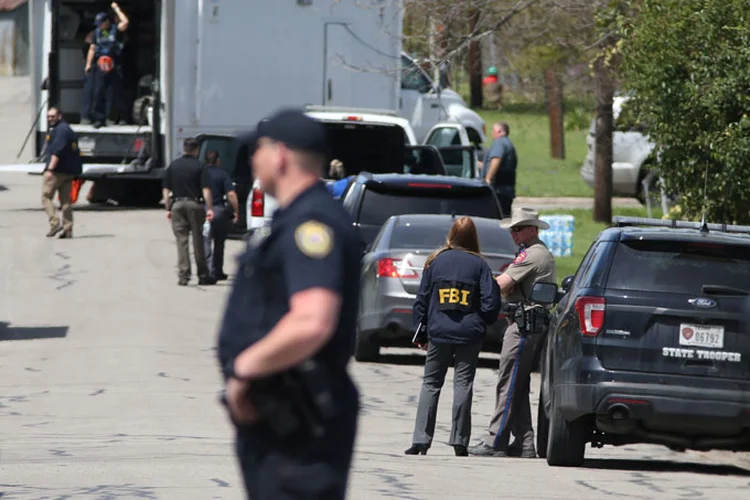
294	302
500	165
63	165
533	263
104	64
185	180
222	191
457	300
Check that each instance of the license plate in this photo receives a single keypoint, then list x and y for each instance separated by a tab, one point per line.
87	145
702	336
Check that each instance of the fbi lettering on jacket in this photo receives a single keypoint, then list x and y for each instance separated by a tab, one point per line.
456	296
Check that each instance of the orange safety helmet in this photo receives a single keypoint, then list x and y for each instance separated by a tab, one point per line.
106	64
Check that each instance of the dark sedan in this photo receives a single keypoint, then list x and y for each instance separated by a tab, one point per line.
392	271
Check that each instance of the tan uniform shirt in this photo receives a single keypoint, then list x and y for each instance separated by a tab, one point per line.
534	263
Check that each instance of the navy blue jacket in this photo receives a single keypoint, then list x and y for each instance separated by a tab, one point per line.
63	143
458	296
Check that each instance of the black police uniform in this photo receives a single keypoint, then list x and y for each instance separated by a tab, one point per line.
186	177
221	186
310	243
457	299
62	142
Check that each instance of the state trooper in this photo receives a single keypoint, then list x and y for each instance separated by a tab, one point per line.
512	413
293	304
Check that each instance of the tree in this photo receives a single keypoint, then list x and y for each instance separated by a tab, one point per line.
686	64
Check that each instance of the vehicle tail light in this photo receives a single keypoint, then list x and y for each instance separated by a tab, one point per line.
395	268
591	315
256	207
353	118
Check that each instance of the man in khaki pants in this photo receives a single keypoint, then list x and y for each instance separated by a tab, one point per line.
63	165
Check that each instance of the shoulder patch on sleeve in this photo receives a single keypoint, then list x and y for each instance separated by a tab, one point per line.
314	239
520	257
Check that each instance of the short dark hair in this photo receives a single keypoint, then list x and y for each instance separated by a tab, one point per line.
190	144
505	127
212	156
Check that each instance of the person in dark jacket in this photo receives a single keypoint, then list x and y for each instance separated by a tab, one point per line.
457	299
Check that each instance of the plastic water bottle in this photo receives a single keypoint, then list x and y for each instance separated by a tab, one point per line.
207	229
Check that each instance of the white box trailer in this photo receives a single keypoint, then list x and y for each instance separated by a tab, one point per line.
215	67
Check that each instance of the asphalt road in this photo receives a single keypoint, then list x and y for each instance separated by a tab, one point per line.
108	386
108	380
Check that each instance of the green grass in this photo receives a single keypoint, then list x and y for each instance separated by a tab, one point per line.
585	231
538	173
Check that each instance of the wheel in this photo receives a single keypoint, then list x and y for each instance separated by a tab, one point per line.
566	442
367	348
542	429
140	108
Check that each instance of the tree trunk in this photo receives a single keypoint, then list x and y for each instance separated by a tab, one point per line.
603	143
555	109
475	62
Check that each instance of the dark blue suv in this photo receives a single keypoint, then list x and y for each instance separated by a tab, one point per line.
650	343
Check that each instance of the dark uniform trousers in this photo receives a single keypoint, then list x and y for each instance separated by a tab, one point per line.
300	467
188	216
512	407
439	356
214	246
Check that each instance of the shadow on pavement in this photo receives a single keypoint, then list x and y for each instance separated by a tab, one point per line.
665	466
8	332
3	188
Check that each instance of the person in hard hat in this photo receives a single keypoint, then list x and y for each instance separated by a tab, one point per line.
104	64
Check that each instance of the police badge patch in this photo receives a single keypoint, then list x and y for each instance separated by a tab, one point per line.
314	239
520	257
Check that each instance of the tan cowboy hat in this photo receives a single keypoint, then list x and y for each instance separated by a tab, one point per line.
523	216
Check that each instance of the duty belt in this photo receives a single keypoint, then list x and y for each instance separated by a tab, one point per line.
187	198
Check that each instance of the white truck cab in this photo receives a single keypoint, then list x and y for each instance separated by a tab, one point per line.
352	130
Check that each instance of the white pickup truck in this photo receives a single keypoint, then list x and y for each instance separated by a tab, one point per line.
375	141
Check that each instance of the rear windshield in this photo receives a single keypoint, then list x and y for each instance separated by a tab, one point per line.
377	207
492	239
679	267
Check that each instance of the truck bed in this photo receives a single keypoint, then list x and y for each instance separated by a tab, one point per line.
111	129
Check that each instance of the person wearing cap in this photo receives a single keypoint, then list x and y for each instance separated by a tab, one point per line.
534	262
104	66
293	303
185	180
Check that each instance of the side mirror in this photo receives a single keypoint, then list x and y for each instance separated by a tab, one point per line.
566	282
544	293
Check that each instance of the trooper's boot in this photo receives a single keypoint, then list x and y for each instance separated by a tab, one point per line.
523	450
484	450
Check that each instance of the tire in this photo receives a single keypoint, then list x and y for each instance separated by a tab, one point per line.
566	444
367	348
542	429
140	107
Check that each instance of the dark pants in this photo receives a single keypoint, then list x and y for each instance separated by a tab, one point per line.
87	100
219	231
108	92
512	406
436	364
188	217
299	467
506	202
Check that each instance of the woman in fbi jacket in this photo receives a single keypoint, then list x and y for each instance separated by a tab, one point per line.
457	299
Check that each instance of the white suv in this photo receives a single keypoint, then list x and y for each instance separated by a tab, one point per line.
631	153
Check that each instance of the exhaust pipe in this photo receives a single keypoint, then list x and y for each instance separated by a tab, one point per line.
618	412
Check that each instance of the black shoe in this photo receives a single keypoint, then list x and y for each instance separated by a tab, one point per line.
460	450
98	124
221	277
54	231
182	282
66	234
207	281
482	450
417	449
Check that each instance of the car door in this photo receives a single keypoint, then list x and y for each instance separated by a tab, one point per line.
456	149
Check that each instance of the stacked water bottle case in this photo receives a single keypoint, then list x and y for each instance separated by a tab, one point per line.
559	236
